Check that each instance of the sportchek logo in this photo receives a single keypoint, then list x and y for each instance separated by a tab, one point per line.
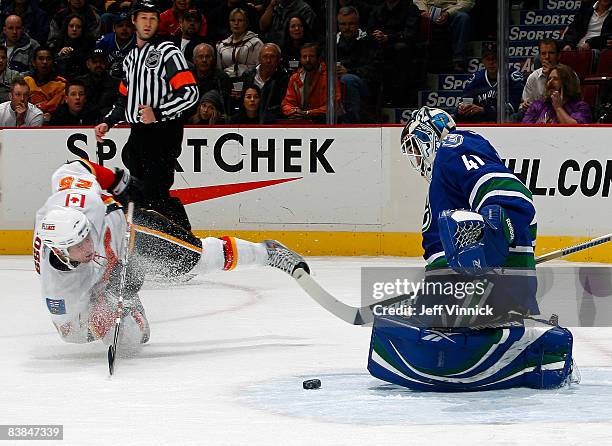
231	152
197	194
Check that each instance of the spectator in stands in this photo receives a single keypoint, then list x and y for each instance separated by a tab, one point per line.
453	14
394	25
113	8
272	79
209	77
591	28
72	48
210	110
188	35
561	102
358	62
118	44
218	26
35	20
536	82
278	12
364	8
306	96
17	111
6	75
100	88
240	51
74	111
20	47
479	102
89	14
249	107
297	33
170	21
46	88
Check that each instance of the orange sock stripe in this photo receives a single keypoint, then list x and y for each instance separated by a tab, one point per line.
167	237
230	251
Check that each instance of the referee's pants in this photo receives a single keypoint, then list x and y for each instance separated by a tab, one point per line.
150	154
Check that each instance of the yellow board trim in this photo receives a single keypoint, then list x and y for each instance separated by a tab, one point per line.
327	243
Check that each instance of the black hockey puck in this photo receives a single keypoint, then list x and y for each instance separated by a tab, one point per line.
310	384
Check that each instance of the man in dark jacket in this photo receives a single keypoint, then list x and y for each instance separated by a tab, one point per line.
394	25
272	78
189	35
100	88
592	19
208	76
74	111
358	60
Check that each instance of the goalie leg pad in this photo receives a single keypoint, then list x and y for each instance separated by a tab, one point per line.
468	360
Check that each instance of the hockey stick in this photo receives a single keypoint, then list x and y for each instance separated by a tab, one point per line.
364	315
112	349
576	248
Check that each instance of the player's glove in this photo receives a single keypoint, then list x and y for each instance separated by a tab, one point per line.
126	187
474	243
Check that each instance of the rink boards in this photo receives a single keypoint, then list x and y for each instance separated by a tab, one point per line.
323	191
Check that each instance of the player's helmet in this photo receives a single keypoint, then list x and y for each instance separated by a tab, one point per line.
422	135
144	5
62	228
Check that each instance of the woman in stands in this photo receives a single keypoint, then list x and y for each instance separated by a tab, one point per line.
562	100
210	110
297	33
72	47
249	107
240	51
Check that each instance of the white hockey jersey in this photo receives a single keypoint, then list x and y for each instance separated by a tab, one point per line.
68	294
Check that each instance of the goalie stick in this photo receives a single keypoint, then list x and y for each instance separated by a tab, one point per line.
363	315
112	349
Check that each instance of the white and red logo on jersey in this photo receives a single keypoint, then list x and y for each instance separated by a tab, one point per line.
48	227
75	200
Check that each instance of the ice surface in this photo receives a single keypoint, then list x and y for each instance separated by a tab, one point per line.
225	365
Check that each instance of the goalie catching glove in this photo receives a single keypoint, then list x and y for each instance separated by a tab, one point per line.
475	243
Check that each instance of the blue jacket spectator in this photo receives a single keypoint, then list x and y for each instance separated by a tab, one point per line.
118	44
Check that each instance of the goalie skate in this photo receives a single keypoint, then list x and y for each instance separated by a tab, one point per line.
281	257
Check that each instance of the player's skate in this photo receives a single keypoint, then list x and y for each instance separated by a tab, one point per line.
281	257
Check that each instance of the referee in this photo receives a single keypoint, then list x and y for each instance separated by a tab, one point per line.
158	87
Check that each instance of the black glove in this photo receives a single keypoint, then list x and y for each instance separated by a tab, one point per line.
126	187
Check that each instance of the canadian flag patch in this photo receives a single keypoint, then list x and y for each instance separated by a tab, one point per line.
75	200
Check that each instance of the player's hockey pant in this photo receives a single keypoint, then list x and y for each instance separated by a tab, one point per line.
150	154
164	248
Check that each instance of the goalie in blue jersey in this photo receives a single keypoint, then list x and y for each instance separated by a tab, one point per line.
479	232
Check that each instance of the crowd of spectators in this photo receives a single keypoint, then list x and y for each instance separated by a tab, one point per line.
265	54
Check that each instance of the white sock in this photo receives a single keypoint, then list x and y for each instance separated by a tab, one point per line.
236	254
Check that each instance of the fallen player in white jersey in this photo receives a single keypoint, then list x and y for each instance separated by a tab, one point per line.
78	243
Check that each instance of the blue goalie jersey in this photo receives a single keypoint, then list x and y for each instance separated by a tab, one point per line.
469	174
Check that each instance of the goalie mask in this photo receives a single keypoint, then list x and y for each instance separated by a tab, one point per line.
422	135
62	228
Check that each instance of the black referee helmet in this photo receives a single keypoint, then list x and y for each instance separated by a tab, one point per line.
144	5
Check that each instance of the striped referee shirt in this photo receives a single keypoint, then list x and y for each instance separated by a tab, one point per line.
156	75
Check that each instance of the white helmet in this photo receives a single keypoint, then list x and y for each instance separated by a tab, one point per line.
62	228
422	135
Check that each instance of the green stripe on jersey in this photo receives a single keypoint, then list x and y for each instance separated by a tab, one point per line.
493	184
